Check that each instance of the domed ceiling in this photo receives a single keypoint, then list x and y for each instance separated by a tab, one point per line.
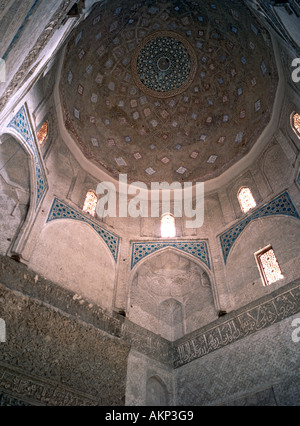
168	90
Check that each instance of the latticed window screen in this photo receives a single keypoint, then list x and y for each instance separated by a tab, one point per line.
168	228
269	267
42	134
90	203
246	199
296	124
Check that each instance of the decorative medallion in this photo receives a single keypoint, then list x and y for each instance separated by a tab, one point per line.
164	64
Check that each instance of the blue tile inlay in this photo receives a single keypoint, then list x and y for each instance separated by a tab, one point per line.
281	205
20	124
61	210
198	249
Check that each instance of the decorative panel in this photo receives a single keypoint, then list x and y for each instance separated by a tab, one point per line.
281	205
197	249
20	123
241	324
61	210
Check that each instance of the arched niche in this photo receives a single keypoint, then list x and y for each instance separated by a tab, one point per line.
71	254
171	294
15	190
242	273
156	393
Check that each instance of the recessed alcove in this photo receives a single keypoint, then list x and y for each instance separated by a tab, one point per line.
171	293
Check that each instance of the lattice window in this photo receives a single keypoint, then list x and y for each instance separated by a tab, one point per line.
268	265
246	199
90	203
168	228
295	122
43	133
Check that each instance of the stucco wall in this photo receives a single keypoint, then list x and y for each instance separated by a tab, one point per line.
73	255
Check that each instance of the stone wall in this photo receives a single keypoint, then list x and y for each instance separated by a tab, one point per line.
61	349
51	357
262	369
249	357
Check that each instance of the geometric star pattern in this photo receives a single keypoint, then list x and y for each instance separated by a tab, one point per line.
20	124
197	249
61	210
281	205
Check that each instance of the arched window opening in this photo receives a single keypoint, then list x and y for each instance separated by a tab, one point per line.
168	228
295	123
268	265
90	203
246	199
43	133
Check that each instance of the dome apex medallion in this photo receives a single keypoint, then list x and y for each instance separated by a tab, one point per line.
164	64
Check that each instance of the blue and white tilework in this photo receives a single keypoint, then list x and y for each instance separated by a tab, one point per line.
61	210
20	123
197	249
281	205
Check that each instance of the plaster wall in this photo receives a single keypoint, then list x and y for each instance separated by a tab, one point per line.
73	255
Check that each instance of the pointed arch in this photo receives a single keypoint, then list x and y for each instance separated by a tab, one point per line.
279	206
19	240
78	260
61	211
20	127
198	249
156	392
174	272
